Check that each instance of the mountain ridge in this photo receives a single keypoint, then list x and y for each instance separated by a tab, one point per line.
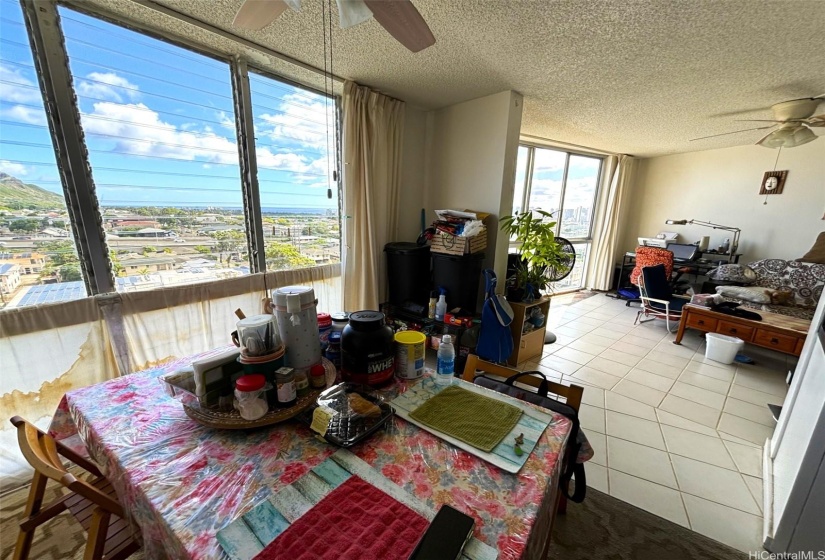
16	194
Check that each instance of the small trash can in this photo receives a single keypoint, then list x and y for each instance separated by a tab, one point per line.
721	348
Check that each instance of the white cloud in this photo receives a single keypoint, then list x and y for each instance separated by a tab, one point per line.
16	169
17	88
301	120
19	113
107	85
136	129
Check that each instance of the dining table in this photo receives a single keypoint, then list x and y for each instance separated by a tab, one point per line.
181	482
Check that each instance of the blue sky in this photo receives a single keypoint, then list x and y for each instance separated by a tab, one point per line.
159	122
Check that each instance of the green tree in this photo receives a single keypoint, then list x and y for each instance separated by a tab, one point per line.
25	226
230	242
59	252
116	265
280	256
149	249
69	273
203	249
167	250
143	271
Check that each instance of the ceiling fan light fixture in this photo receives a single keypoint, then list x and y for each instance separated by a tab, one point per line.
788	137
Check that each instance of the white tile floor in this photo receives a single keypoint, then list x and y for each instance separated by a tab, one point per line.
674	433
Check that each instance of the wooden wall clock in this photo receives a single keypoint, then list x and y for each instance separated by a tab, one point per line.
773	182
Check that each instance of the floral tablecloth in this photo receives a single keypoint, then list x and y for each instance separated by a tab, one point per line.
182	482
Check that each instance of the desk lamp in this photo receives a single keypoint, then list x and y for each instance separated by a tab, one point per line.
736	231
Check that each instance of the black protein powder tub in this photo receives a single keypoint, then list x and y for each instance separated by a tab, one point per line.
367	349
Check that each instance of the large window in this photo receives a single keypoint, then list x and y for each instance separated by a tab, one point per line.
295	147
160	131
564	184
38	258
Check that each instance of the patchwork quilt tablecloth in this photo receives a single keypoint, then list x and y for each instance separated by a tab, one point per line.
182	482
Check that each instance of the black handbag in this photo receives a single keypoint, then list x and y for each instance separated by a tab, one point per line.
540	398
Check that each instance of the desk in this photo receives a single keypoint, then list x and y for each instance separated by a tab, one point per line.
715	259
182	482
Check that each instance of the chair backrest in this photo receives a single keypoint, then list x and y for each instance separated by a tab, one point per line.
650	256
572	393
654	283
42	453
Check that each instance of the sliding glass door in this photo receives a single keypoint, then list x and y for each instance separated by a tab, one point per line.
565	184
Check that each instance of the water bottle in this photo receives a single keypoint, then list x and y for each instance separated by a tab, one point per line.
446	361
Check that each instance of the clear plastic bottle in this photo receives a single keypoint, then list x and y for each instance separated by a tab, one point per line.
441	307
446	361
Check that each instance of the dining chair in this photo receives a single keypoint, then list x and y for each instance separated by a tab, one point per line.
571	393
92	503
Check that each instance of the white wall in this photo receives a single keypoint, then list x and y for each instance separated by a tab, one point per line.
413	175
472	157
722	186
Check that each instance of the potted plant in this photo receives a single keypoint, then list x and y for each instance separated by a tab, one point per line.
534	231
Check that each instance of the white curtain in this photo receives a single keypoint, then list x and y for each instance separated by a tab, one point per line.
373	129
617	180
48	350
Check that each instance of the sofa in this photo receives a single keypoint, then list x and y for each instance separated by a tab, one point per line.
804	280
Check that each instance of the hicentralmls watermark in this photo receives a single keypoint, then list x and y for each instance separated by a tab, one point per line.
803	555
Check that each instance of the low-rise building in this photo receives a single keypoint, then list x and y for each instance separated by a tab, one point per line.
29	263
9	278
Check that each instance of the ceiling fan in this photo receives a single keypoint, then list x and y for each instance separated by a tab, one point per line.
793	121
399	17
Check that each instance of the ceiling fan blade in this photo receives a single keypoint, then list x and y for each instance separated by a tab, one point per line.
257	14
403	21
734	132
818	120
352	12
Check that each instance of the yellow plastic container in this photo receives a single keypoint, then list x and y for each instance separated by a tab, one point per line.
409	354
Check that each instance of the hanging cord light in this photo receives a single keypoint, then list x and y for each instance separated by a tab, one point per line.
774	168
326	25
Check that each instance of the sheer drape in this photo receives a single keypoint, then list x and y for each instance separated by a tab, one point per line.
48	350
373	128
618	177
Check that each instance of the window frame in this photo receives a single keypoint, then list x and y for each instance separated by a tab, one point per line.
528	188
47	41
528	184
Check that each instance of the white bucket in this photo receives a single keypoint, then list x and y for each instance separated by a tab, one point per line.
722	348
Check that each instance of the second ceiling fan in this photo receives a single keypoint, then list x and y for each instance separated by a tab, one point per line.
793	121
399	17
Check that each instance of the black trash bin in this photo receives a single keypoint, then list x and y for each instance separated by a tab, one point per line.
408	273
460	275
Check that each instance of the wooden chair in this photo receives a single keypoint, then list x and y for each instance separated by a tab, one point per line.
92	503
572	393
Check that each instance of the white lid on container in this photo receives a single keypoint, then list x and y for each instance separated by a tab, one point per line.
255	321
304	294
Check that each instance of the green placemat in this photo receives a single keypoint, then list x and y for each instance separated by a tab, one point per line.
472	418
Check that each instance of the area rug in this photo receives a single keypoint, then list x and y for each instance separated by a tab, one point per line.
605	528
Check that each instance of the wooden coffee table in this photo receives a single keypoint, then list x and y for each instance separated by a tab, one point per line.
774	331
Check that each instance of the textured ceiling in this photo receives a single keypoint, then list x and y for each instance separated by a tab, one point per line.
621	76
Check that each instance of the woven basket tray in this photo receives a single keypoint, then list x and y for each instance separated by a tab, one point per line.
233	421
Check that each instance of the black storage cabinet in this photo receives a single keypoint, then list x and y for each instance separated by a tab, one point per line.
408	273
461	276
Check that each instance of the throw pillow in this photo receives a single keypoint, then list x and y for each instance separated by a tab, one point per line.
817	253
733	273
753	294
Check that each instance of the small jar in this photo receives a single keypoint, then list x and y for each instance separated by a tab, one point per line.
324	328
249	396
285	387
318	376
333	352
302	382
339	321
